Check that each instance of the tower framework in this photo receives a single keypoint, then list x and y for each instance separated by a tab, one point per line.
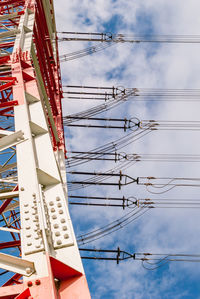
35	224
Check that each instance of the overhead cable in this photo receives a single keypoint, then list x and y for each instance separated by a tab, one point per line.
150	261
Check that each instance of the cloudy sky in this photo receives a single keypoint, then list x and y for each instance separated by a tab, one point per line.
140	65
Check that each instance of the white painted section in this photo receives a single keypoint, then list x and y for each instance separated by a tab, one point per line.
45	220
11	140
6	195
11	230
15	264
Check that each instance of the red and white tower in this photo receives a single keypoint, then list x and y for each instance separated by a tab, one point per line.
33	207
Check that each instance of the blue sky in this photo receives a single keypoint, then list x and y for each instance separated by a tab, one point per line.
140	65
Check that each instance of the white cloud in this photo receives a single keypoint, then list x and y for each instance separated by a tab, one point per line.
140	65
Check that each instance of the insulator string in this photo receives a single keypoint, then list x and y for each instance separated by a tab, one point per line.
165	183
110	146
109	39
122	156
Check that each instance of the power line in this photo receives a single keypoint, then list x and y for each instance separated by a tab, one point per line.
108	39
77	92
114	96
108	147
132	202
111	227
133	123
127	38
124	180
150	261
123	156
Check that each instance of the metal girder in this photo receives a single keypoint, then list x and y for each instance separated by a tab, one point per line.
15	264
9	33
6	195
9	16
11	230
11	140
30	88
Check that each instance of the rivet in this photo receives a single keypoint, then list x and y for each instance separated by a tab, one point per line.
52	210
37	282
29	283
28	227
36	217
36	238
57	234
59	242
58	198
54	217
29	244
27	218
62	220
56	226
28	236
26	205
22	188
51	203
66	236
26	212
64	227
34	195
59	205
60	211
37	246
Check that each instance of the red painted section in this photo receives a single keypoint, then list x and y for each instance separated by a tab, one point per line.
13	280
24	295
5	204
72	285
13	85
46	290
75	288
3	3
50	70
10	244
9	104
5	59
10	292
62	271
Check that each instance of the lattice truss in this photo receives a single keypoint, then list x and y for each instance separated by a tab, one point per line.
34	223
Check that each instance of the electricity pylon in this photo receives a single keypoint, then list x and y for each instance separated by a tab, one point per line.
35	221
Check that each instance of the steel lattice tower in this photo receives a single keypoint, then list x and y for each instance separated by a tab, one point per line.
34	221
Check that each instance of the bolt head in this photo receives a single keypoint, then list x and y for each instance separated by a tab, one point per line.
29	283
66	236
37	282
